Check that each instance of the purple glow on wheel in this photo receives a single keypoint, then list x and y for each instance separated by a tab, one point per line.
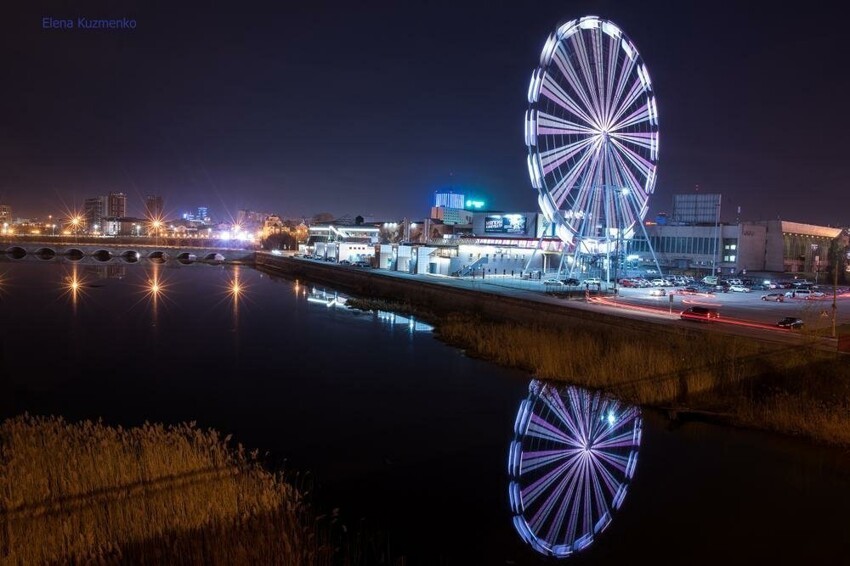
591	131
570	464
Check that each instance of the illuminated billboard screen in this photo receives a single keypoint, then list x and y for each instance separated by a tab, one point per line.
504	224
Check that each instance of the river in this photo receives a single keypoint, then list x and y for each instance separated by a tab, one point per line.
394	428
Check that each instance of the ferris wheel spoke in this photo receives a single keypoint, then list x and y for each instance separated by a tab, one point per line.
599	66
606	459
556	405
541	428
642	139
544	512
625	74
643	165
631	97
531	493
637	191
554	92
532	461
586	70
549	124
555	157
565	186
613	52
636	117
623	438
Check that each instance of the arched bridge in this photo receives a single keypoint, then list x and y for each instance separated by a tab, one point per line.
103	250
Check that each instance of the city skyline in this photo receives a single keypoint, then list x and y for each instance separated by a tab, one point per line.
301	110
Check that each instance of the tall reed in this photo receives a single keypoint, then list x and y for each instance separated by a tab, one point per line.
90	492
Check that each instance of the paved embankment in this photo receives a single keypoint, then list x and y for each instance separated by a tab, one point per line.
441	295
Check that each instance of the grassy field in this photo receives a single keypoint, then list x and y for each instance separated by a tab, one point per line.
90	493
794	390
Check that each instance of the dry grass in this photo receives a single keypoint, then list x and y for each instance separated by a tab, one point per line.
791	390
89	492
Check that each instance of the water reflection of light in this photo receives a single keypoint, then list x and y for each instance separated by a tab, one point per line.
327	298
332	299
573	456
73	286
411	323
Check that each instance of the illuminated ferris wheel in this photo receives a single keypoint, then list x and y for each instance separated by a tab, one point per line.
592	135
570	465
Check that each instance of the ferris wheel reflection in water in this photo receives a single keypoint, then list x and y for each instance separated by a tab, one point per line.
573	456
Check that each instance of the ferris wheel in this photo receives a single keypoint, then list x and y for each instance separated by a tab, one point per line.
570	464
592	135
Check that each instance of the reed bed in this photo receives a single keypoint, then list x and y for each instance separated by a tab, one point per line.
87	492
793	390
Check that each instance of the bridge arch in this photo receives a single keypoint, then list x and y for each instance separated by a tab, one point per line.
158	256
45	253
131	256
214	257
75	254
16	252
102	255
187	257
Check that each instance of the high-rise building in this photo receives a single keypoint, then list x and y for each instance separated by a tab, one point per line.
153	206
448	199
696	208
116	205
5	214
94	210
203	214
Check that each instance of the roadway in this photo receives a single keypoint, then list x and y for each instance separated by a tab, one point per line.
741	314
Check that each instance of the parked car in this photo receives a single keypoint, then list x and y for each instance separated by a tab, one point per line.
790	322
739	288
701	314
777	297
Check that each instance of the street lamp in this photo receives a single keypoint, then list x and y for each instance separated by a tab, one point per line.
75	222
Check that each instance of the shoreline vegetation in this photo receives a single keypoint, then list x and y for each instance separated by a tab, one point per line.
90	493
799	391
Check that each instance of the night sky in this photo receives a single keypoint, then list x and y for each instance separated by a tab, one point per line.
367	108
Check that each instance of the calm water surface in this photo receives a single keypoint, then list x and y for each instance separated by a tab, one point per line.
393	426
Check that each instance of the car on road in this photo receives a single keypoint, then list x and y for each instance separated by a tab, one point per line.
803	294
344	262
554	282
700	314
571	281
739	288
776	297
658	292
790	322
593	281
688	290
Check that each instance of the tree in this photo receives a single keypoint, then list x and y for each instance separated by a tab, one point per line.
838	251
358	220
282	241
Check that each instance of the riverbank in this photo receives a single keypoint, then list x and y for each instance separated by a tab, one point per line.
85	492
798	391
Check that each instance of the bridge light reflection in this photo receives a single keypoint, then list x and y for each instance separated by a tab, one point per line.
73	286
